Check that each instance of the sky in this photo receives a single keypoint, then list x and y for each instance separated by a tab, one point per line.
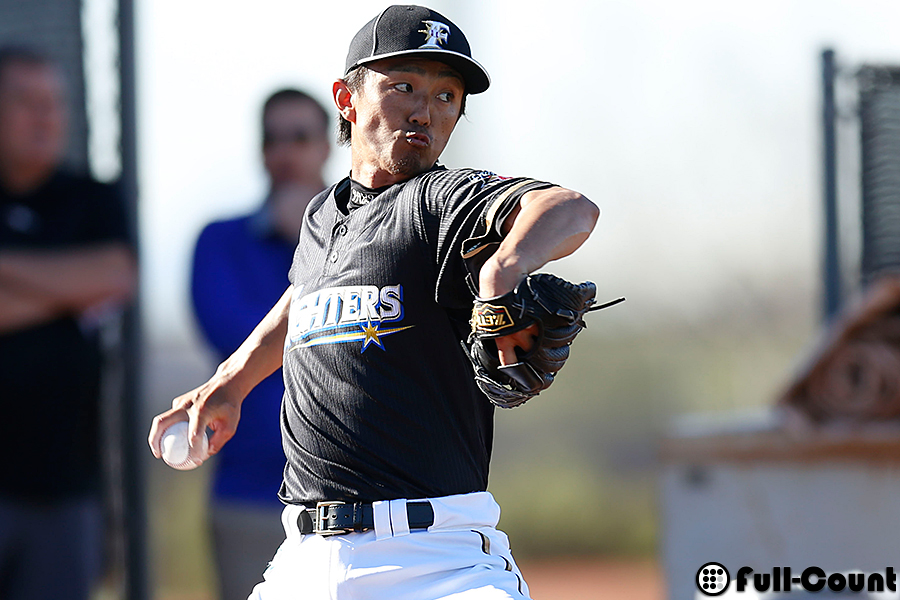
695	126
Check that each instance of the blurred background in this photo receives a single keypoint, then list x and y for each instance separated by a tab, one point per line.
695	126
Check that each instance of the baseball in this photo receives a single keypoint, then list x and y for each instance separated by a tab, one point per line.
175	449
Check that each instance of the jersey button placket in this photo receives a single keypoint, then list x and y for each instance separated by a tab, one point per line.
339	231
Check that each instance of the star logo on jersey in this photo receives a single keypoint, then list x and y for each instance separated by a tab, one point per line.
371	332
437	33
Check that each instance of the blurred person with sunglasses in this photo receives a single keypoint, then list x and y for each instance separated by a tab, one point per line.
239	271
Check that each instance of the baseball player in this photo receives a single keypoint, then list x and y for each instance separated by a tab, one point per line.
410	314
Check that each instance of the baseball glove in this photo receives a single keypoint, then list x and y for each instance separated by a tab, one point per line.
556	306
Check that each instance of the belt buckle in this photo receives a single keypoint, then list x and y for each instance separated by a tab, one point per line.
320	522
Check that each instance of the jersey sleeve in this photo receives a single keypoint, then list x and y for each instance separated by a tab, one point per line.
463	214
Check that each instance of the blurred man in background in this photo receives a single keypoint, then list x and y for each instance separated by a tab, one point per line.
240	271
65	261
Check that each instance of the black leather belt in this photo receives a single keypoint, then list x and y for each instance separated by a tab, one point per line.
337	518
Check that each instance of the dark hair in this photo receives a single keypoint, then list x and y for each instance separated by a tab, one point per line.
355	80
24	55
294	95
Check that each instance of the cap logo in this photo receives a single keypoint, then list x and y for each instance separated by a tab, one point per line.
437	33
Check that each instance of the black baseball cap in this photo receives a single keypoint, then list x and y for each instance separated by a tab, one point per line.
417	31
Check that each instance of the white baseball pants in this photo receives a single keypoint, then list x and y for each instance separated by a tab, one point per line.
460	557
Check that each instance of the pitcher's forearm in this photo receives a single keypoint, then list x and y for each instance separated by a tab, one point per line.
216	404
549	225
261	353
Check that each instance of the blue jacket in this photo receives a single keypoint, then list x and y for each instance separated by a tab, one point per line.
240	271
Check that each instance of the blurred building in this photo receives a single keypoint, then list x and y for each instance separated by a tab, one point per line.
812	481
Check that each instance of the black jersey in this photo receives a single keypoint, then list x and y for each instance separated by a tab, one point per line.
380	400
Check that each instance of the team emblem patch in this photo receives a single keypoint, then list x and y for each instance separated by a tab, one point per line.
490	318
486	176
437	33
340	315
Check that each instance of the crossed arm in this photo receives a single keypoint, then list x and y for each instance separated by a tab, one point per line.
548	224
37	286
